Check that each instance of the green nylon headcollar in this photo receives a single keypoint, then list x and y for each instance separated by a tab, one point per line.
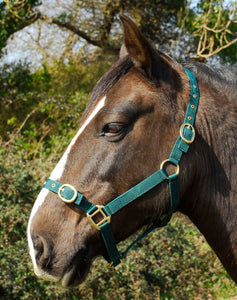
102	214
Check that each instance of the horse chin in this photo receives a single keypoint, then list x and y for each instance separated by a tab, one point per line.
75	276
77	271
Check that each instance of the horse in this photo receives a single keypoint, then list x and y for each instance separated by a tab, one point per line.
156	137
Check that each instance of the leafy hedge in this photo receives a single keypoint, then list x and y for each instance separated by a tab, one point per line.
40	117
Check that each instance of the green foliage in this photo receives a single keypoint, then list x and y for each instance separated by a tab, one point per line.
154	16
214	29
11	79
174	263
56	92
15	15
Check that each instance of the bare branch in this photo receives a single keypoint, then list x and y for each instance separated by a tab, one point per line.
70	27
217	50
22	125
102	42
214	38
21	9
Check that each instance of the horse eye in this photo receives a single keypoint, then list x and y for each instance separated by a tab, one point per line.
112	129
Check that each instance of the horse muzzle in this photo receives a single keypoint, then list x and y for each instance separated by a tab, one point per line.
65	268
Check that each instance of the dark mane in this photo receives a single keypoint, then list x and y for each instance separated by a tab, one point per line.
120	68
222	79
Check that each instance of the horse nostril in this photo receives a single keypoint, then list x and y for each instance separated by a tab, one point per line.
38	247
42	252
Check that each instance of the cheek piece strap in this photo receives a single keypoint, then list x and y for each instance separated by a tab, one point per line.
100	216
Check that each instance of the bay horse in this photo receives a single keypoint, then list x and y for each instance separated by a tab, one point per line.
156	137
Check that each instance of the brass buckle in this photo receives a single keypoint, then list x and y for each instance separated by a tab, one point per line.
61	189
168	161
190	126
104	219
110	265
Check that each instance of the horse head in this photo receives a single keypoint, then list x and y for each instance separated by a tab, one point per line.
129	127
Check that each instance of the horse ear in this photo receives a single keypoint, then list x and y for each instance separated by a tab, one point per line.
136	45
123	51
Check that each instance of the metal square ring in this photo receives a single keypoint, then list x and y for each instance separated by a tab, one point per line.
104	218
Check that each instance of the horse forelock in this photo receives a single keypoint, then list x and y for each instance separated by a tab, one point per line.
118	70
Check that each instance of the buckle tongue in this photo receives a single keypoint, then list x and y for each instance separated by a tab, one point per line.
98	217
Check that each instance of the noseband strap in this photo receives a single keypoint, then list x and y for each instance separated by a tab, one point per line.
100	216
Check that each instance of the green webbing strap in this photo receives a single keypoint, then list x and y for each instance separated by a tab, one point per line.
113	256
187	132
174	195
68	194
174	192
136	191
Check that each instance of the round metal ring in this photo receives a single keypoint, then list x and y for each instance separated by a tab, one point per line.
170	162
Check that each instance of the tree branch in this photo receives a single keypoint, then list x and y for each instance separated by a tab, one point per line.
213	52
214	34
112	8
73	29
101	43
22	125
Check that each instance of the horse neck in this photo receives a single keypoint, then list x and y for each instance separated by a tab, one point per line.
209	200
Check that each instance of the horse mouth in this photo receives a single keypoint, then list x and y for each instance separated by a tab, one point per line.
77	270
74	274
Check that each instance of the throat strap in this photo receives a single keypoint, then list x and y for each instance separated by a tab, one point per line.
100	216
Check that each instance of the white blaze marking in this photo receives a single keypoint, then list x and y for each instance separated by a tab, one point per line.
40	199
58	171
55	175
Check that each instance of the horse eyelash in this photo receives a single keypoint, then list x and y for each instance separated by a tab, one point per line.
105	131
